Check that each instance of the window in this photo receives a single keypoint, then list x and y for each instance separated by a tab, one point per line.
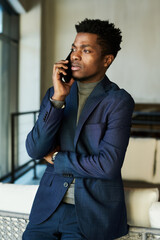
1	24
9	36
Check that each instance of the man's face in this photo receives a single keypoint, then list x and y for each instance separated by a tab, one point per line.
88	65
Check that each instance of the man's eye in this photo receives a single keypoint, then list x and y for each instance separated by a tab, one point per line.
86	51
73	50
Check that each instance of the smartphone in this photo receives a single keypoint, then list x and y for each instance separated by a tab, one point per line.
67	78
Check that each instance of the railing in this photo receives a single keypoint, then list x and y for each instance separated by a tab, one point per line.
18	171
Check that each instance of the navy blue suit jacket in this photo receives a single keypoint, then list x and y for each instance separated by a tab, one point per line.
92	152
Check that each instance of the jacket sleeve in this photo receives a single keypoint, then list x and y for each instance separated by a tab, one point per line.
43	137
112	147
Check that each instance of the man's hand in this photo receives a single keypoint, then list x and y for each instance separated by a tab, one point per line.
48	157
61	89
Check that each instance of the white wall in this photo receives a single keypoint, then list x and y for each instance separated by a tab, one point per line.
136	67
29	72
29	68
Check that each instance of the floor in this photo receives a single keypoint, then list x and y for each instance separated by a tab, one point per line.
27	179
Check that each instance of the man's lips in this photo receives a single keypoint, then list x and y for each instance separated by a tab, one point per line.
75	67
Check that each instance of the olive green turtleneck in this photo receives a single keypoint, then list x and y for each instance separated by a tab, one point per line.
84	90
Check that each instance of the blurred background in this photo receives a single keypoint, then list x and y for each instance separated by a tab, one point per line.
36	33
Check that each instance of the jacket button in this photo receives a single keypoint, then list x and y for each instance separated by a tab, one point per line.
65	184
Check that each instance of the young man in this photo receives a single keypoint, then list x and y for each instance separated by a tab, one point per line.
82	131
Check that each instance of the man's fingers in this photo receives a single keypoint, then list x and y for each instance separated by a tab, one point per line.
61	64
60	67
60	71
49	161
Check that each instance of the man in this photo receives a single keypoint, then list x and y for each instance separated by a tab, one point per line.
82	131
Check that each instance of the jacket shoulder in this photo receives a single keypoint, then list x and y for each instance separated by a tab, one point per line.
119	94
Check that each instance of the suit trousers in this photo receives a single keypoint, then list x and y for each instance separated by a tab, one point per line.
61	225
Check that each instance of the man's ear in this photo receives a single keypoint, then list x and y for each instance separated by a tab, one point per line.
108	59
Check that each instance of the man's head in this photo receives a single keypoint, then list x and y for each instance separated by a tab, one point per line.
94	49
109	37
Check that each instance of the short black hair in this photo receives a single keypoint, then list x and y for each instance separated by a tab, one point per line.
109	37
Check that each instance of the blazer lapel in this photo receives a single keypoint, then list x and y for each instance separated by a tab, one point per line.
95	97
68	127
72	103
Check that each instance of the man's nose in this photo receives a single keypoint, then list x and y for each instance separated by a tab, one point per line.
76	55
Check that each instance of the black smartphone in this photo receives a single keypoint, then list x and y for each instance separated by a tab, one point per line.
67	78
